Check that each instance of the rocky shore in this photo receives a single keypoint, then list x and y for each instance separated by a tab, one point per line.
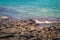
11	29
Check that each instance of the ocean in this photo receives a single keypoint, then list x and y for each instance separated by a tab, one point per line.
22	9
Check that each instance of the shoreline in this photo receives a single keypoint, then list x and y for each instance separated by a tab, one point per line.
40	22
37	20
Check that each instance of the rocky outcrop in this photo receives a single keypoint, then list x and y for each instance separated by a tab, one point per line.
11	29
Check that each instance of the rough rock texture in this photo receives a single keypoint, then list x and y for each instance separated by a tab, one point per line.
11	29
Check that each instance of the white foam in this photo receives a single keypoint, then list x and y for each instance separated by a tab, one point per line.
4	17
43	21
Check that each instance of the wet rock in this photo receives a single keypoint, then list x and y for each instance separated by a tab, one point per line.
27	30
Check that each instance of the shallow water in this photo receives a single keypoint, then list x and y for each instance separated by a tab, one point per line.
24	9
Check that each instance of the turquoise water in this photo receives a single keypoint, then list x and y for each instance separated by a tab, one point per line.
30	8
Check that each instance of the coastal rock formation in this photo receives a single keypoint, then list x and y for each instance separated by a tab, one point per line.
11	29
